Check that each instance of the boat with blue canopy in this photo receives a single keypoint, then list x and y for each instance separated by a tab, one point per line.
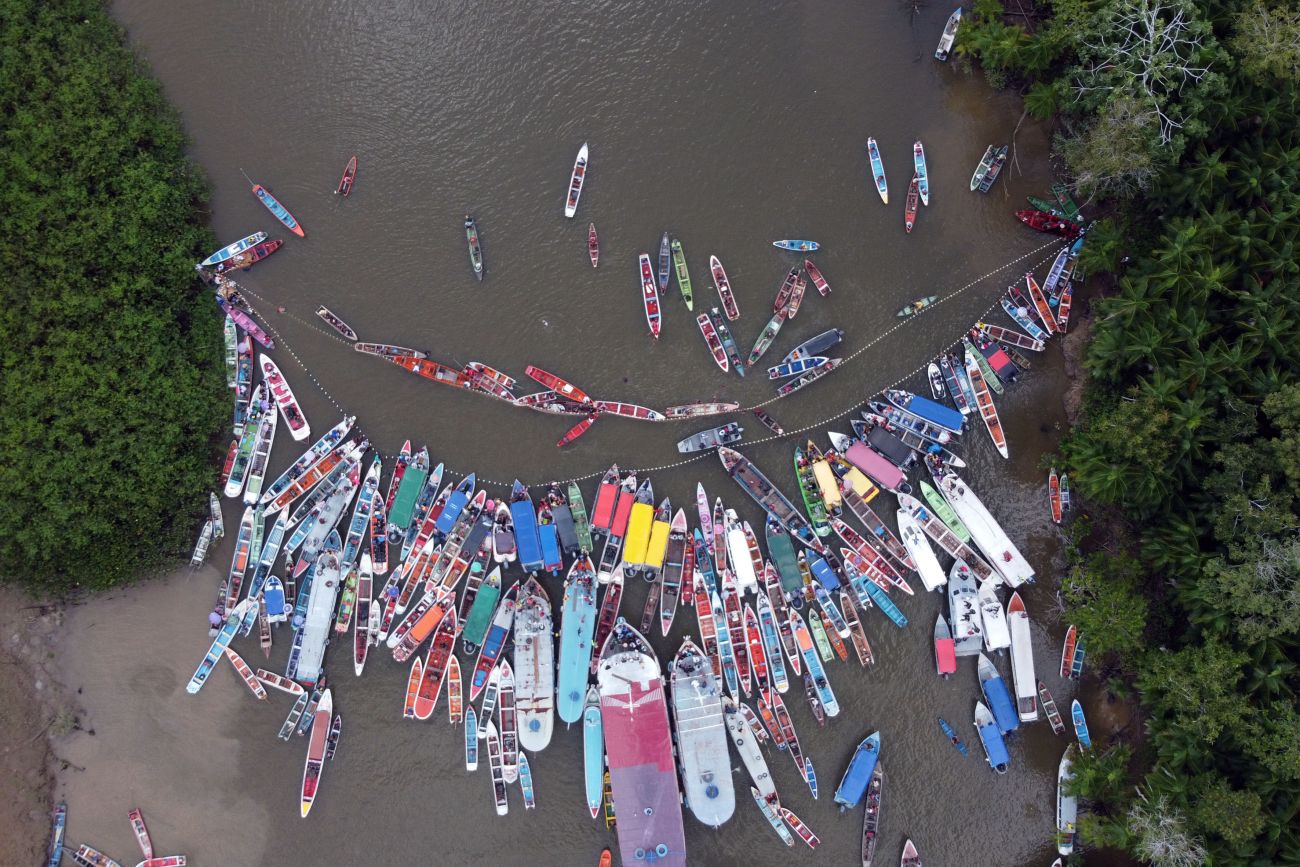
857	776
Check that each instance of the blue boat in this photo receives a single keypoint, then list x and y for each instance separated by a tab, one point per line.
824	573
725	651
704	563
995	749
456	504
795	367
577	625
1023	319
273	596
549	537
810	776
233	249
797	246
1080	725
245	610
527	539
281	212
526	781
593	751
996	694
832	611
952	737
471	739
922	407
857	776
56	838
878	170
870	591
813	663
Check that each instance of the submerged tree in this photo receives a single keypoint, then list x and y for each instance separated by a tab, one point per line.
1161	836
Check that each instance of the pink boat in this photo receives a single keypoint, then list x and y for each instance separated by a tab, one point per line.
284	398
882	471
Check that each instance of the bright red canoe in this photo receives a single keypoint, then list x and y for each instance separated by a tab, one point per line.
562	387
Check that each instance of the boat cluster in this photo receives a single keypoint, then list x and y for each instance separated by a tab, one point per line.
89	856
425	563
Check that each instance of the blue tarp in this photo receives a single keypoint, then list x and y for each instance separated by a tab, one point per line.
1004	711
526	538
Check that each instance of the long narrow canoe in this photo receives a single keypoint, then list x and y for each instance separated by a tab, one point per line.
723	285
982	170
810	377
878	170
233	249
984	401
333	320
349	177
246	322
766	337
562	387
922	175
650	295
280	211
913	197
712	340
475	246
593	245
815	274
683	274
299	429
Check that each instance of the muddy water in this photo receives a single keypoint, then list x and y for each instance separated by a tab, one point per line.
730	125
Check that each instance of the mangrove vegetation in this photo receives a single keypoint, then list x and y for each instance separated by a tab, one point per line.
113	386
1179	121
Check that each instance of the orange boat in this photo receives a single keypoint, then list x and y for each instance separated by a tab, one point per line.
1040	304
1054	495
1067	651
230	461
250	679
425	622
577	430
490	380
606	859
818	281
412	688
432	370
562	387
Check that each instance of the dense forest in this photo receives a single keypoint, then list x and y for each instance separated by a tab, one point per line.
1181	121
113	387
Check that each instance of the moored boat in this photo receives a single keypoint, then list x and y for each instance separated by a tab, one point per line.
234	249
1044	222
1067	650
949	36
858	775
388	350
628	410
1067	805
1080	725
683	274
984	401
767	495
1054	495
995	748
534	667
982	170
995	169
316	751
913	200
665	260
765	337
700	408
810	377
945	648
922	175
593	750
1049	709
1022	659
253	255
701	736
299	429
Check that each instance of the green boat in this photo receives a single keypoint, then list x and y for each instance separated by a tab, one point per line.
819	638
990	376
812	497
945	512
580	523
917	306
408	491
232	352
480	613
1045	205
1066	204
683	275
780	550
770	330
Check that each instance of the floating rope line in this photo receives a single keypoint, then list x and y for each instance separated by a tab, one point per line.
701	455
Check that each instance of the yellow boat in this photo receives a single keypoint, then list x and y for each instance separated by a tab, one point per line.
638	528
658	547
828	483
855	478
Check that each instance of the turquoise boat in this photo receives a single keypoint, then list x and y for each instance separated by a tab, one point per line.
526	781
797	246
281	212
704	562
577	624
878	170
234	249
471	740
593	751
878	597
1080	725
725	651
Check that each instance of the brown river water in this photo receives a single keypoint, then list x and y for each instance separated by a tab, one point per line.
727	124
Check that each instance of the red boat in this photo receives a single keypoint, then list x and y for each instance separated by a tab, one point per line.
593	245
796	824
1067	651
629	410
945	649
349	175
736	629
1045	222
757	655
1040	304
796	296
818	281
490	381
257	253
913	202
650	296
315	763
711	338
866	551
230	460
787	288
623	509
435	667
577	430
602	514
1054	495
432	370
562	387
724	289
